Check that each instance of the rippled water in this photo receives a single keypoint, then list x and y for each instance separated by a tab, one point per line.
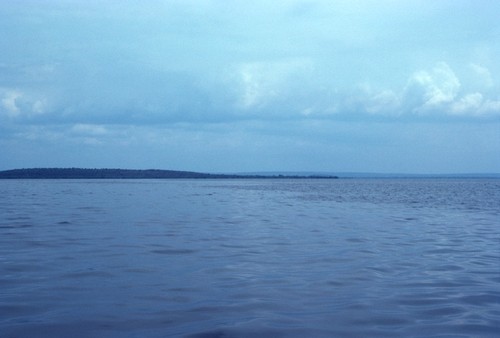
250	258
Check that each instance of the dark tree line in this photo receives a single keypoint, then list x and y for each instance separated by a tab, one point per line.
98	173
79	173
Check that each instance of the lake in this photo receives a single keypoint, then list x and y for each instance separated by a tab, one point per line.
250	258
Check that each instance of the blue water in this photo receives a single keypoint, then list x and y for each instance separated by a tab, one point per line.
250	258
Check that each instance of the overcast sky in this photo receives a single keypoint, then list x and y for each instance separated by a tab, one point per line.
233	86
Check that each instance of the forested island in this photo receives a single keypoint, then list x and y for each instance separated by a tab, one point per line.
81	173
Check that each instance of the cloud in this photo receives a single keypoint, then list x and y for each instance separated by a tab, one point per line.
367	99
17	104
437	92
261	83
9	102
468	103
490	107
168	62
431	90
279	89
385	101
483	75
89	129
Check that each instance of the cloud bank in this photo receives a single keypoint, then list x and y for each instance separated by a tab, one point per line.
256	90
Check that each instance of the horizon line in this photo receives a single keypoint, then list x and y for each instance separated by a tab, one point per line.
344	174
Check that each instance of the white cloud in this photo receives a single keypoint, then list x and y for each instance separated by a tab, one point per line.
10	102
15	103
384	102
254	85
467	104
436	91
262	82
433	89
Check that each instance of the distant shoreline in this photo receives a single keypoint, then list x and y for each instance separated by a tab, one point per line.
83	173
106	173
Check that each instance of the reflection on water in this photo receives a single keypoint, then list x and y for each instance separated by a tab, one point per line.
250	258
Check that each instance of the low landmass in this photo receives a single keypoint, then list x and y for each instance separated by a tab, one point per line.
81	173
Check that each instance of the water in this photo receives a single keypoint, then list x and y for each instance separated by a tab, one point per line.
250	258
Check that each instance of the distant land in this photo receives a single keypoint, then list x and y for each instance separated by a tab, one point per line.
383	175
374	174
81	173
84	173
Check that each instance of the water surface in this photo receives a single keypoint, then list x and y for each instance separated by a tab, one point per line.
250	258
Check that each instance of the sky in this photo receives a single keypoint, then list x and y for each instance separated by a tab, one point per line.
383	86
